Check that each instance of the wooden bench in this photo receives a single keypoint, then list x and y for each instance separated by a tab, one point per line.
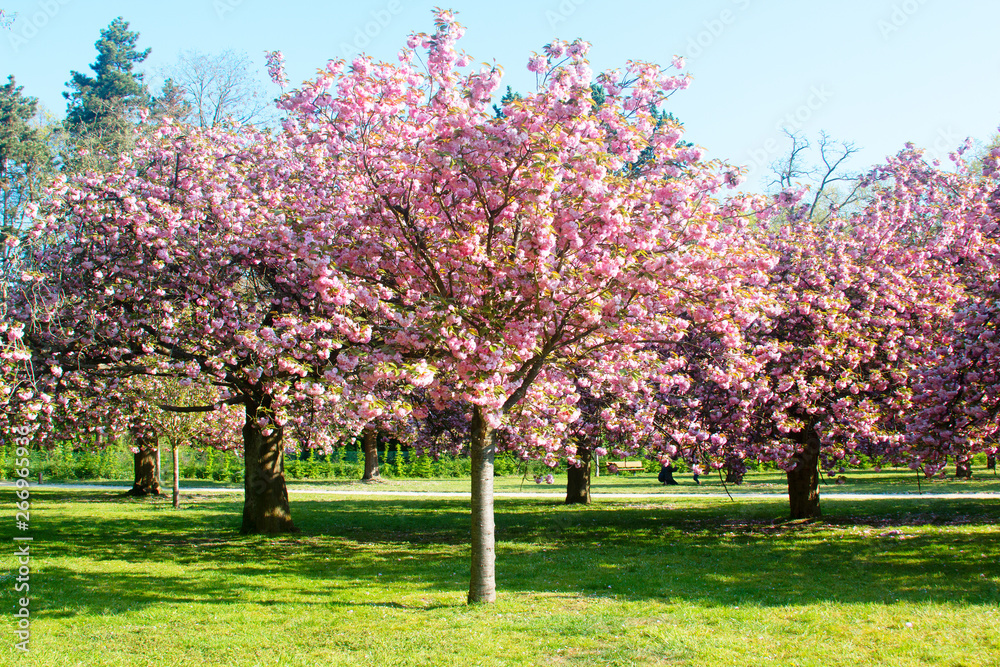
625	466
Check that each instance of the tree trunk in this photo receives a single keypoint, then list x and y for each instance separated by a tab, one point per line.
803	479
482	585
145	483
369	443
991	462
265	499
963	468
578	479
177	474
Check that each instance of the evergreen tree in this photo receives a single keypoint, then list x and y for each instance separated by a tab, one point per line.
101	109
508	97
25	158
172	103
24	164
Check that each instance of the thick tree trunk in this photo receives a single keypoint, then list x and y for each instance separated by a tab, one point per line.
578	479
265	499
369	443
174	453
145	482
963	468
991	462
803	479
482	585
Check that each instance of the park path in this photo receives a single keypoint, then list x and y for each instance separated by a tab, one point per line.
750	495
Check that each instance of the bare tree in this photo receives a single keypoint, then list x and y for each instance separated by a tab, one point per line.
833	156
789	169
222	89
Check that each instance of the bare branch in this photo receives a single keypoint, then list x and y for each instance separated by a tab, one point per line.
222	89
235	400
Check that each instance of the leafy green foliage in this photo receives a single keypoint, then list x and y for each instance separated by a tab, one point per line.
25	158
172	102
508	97
102	108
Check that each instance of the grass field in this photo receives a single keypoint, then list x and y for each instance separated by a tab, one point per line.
382	581
855	481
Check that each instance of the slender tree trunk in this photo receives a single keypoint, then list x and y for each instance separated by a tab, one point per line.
803	479
963	468
369	443
177	473
578	479
265	499
482	585
145	483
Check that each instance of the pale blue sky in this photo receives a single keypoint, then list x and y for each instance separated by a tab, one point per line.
878	73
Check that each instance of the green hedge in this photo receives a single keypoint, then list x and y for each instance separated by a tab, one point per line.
115	462
63	463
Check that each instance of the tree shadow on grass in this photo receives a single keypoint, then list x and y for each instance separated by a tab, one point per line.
707	553
748	553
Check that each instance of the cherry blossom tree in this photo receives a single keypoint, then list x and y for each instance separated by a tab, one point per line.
176	414
613	420
15	382
508	250
186	261
857	301
957	396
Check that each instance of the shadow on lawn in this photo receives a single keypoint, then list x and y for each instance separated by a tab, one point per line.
705	553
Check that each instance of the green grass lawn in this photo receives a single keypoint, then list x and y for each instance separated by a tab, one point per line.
382	581
890	480
856	481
